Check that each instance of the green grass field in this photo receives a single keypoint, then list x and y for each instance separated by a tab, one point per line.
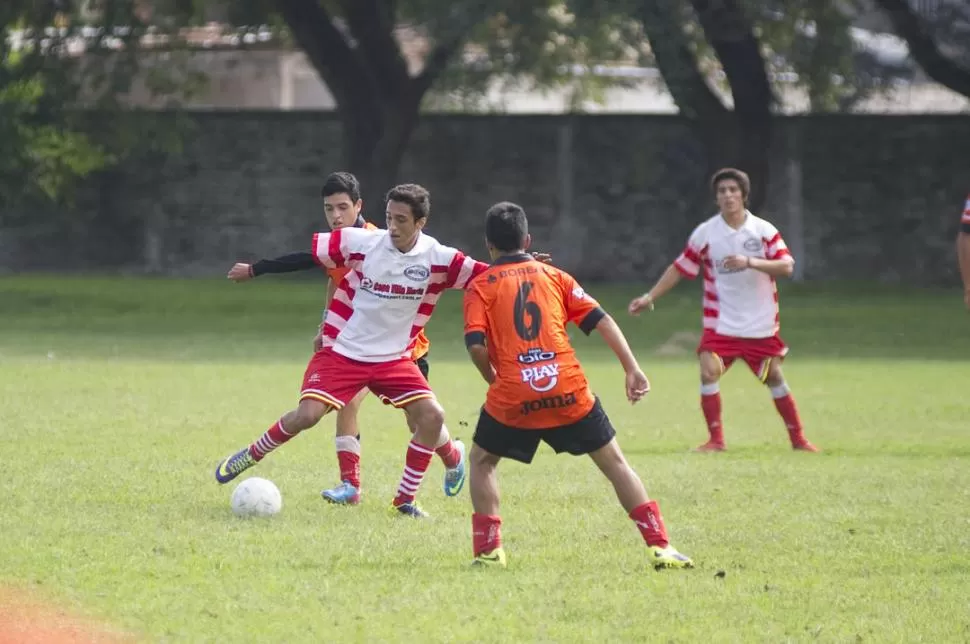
120	395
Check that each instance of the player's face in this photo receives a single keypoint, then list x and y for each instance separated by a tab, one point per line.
341	210
402	226
730	199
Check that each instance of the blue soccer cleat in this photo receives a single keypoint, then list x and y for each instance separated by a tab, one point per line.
234	466
343	494
410	509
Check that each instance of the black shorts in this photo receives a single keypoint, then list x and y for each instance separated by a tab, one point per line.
587	435
423	365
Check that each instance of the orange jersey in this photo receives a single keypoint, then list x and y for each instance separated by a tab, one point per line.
421	344
519	309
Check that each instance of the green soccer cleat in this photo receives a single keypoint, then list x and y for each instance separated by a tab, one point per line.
493	559
668	557
455	477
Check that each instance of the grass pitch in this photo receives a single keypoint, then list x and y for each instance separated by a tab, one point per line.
120	395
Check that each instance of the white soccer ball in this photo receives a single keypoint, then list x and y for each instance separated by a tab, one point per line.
256	497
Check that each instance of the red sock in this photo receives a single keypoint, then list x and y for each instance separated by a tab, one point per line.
348	457
486	533
273	438
449	454
789	413
711	405
651	524
415	465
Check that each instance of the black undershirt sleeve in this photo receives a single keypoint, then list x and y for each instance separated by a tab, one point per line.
474	338
285	264
591	320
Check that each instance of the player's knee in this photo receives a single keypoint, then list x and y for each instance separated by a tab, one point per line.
309	414
711	369
426	417
775	377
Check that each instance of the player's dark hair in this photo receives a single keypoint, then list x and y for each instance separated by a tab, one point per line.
744	182
415	196
341	183
506	227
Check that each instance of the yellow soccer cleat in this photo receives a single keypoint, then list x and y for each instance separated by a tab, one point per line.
493	559
669	558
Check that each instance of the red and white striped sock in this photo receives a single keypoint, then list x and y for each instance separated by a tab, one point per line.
415	465
270	440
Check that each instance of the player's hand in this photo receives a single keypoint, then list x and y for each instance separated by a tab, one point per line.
637	385
318	341
240	273
737	262
545	258
644	302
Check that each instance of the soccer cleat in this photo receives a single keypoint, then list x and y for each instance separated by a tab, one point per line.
235	465
804	446
343	494
493	559
409	510
668	558
455	476
711	446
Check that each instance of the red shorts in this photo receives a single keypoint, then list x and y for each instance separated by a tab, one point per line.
756	352
335	379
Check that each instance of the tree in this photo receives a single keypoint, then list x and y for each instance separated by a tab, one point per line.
740	137
358	49
924	47
53	61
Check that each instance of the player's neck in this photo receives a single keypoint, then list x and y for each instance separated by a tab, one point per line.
735	219
506	258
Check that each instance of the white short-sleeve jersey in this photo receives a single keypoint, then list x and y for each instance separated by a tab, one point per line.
387	296
738	303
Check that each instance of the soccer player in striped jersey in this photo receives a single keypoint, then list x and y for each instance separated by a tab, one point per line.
741	256
342	206
371	328
963	251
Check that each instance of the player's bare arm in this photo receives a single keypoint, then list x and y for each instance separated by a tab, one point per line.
290	263
963	257
667	281
637	384
782	267
479	356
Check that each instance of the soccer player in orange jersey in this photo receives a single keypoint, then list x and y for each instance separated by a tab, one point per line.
740	256
516	314
963	251
342	205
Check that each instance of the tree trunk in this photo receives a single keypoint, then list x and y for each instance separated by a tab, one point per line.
731	34
373	152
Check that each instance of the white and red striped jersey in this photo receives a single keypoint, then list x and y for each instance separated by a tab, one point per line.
387	296
739	303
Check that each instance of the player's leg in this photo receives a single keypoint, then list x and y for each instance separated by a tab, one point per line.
347	443
306	415
594	435
451	452
712	367
774	378
644	512
343	381
492	442
425	418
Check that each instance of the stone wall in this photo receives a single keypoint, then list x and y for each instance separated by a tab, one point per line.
613	197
